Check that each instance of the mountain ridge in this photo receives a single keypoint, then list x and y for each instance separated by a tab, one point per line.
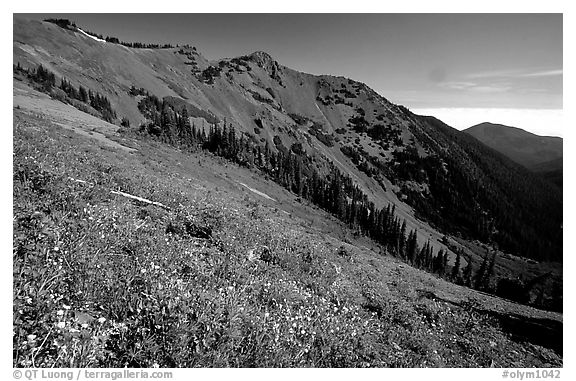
540	154
389	152
520	145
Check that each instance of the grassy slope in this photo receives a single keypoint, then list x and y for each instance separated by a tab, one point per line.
223	278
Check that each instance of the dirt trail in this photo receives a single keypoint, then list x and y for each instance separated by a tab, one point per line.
257	192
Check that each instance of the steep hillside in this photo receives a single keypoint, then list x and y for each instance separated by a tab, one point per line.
179	212
523	147
132	253
329	125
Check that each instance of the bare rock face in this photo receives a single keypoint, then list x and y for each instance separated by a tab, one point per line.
266	62
262	59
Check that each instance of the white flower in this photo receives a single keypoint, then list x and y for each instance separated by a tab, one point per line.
60	313
266	315
101	320
65	307
31	337
61	325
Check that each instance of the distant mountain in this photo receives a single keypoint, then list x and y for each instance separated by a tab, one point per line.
523	147
540	154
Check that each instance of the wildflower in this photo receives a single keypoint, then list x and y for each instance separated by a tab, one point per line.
101	320
65	307
85	325
60	313
266	315
61	325
31	338
142	271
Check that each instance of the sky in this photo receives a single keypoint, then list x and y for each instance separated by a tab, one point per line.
462	68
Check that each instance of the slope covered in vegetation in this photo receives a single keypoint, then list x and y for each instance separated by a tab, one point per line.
390	154
216	277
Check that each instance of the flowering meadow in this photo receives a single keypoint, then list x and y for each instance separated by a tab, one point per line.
216	279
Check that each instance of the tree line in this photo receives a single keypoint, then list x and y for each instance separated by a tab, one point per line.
70	25
331	190
46	81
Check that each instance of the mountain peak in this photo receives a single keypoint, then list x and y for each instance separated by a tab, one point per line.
261	58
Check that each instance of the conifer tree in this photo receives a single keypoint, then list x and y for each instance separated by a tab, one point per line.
412	247
456	269
402	239
467	273
479	276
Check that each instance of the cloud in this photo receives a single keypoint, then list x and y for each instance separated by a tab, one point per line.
545	73
515	74
455	85
476	87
